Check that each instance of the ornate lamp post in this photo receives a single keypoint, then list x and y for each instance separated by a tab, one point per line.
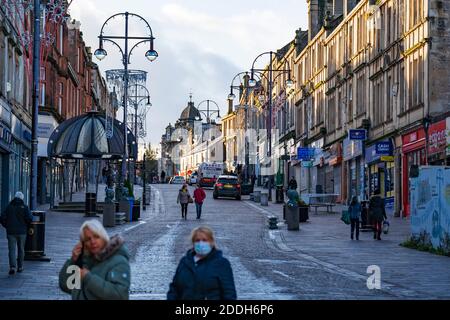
101	53
270	80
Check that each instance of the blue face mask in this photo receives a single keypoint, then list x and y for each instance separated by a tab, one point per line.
202	248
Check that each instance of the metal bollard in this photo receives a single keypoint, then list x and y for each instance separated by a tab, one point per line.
272	222
264	199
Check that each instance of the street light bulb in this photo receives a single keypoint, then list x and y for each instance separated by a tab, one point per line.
151	55
231	96
289	83
100	53
251	82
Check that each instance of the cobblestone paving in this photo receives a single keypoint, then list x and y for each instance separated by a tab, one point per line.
317	262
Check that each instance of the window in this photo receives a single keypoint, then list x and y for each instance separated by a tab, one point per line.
61	39
350	41
402	88
388	26
42	91
350	102
360	94
78	59
378	110
339	109
390	104
331	113
60	97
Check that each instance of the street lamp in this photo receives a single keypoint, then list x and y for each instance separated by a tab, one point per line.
270	80
208	112
138	99
101	53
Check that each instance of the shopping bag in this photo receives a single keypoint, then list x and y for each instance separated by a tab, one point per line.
385	227
345	216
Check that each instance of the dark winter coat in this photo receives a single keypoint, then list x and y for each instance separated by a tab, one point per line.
293	184
16	217
108	277
376	208
211	279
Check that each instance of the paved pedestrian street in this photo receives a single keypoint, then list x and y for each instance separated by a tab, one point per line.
317	262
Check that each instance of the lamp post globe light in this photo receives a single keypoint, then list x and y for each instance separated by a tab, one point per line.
270	80
101	53
208	112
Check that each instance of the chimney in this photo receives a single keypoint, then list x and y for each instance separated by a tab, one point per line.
316	14
230	106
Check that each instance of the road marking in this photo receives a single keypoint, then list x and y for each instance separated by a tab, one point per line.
135	226
281	273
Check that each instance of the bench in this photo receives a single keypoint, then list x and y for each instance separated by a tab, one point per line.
321	200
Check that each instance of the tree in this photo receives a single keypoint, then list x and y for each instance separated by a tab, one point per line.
151	163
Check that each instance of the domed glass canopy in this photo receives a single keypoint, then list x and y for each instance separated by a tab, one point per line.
84	137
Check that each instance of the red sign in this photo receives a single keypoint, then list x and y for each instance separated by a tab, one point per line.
437	139
413	141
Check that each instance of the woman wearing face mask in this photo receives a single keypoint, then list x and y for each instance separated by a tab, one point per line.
104	267
203	273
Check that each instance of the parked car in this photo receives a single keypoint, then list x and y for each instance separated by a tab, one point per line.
178	180
227	186
193	179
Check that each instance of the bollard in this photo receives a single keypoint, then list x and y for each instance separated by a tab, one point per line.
264	199
35	242
109	215
252	197
257	196
272	222
91	205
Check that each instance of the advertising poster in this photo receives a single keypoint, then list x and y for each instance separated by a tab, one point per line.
430	203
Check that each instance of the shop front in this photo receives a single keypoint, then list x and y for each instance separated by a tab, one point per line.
5	150
414	154
352	152
380	163
336	171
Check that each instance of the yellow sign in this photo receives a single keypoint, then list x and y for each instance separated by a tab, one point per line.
387	158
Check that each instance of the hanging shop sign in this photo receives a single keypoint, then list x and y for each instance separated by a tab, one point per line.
357	134
378	150
352	149
437	137
305	154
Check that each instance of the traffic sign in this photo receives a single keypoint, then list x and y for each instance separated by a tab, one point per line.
307	164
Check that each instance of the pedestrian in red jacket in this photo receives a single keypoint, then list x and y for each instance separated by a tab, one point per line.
199	196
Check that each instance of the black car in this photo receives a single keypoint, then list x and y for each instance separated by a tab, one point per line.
227	186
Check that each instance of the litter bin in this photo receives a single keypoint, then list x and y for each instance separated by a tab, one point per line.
257	196
35	242
303	213
91	204
279	194
264	199
136	215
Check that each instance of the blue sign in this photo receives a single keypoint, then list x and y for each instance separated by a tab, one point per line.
383	148
305	154
378	150
357	134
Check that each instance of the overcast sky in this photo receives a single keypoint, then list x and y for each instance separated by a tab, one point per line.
202	44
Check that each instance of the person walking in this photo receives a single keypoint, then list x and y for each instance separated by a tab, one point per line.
16	219
184	198
354	211
377	213
203	273
199	197
104	266
293	183
163	176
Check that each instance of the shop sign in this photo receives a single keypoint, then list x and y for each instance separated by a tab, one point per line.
387	158
357	134
377	150
352	149
437	138
448	136
305	153
307	164
383	148
5	134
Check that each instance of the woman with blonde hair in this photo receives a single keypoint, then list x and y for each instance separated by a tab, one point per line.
203	273
101	265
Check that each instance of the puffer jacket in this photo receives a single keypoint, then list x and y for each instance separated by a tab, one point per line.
109	274
16	217
183	197
211	279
